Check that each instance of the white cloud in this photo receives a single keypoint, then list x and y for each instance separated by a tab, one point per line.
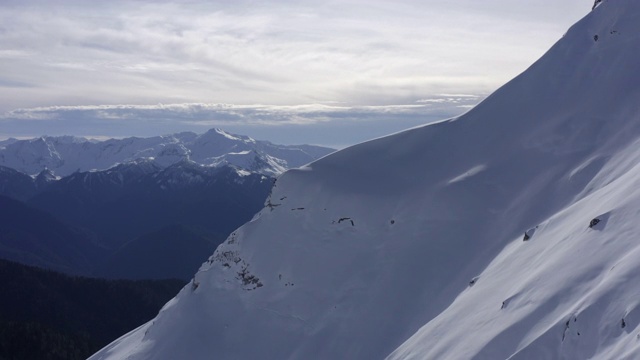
328	124
280	52
13	54
216	114
354	58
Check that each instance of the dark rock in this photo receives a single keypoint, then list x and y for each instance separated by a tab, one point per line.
595	3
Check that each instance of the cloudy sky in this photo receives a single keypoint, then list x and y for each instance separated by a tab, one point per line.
331	72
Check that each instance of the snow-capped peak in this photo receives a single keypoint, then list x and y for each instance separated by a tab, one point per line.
233	137
46	176
67	154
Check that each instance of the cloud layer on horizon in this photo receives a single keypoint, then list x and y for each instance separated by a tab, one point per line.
280	52
67	54
149	120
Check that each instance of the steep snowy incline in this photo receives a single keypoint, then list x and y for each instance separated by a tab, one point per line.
408	245
570	291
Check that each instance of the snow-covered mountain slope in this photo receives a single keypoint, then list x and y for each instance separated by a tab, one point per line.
411	246
67	154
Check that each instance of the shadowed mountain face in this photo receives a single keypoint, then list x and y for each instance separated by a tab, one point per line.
35	237
17	185
131	200
76	223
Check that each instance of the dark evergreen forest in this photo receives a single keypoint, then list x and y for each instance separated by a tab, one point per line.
48	315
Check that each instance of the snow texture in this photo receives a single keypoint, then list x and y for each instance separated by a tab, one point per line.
430	263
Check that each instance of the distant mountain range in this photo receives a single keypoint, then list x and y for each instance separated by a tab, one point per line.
64	155
156	205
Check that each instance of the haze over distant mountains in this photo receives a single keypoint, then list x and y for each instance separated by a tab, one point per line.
64	155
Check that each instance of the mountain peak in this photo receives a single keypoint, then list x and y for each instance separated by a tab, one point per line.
45	177
217	132
67	154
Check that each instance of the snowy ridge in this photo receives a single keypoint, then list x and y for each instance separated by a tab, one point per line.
413	246
65	155
252	161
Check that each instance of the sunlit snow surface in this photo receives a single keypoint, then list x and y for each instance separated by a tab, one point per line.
411	246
